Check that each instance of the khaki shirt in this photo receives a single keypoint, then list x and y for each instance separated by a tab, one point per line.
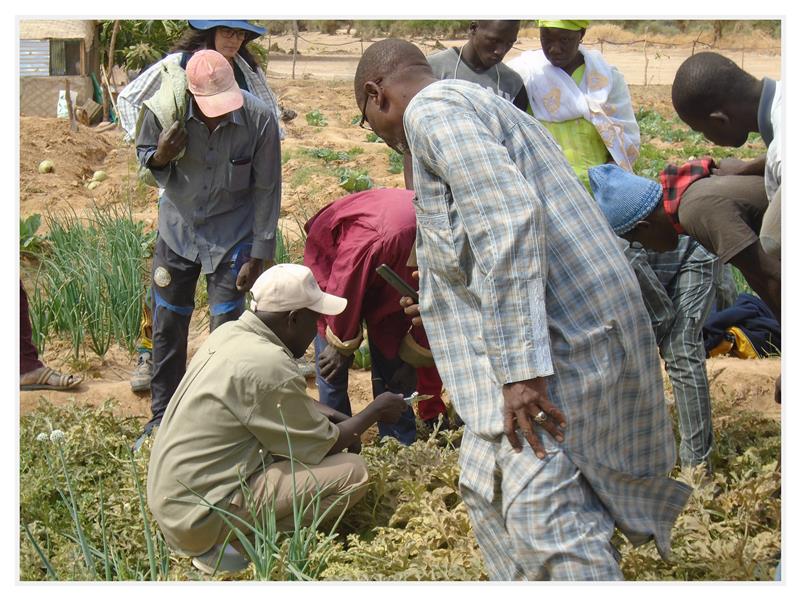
239	389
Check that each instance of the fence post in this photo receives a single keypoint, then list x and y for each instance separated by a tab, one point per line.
73	125
697	39
294	52
646	59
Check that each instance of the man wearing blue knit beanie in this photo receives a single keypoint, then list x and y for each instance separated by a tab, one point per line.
677	277
722	212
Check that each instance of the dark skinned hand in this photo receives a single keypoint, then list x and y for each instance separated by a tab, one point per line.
522	401
170	143
390	407
249	273
332	363
404	378
410	307
731	166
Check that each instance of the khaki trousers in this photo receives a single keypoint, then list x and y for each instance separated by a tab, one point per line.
771	227
338	480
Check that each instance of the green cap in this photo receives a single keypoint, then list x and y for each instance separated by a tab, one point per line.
570	25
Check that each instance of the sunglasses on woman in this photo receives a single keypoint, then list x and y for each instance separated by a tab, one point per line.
229	33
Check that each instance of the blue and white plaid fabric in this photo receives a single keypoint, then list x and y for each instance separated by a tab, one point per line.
556	529
689	275
522	277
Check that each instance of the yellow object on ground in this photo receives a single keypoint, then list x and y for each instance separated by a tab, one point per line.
740	346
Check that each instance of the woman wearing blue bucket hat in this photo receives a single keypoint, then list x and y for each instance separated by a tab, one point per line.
229	38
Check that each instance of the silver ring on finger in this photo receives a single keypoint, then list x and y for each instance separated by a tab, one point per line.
541	417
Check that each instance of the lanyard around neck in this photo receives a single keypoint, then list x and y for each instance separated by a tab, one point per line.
458	62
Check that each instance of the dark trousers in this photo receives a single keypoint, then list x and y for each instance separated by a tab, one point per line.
334	393
28	356
173	284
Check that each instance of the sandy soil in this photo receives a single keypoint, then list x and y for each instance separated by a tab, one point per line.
747	383
76	156
326	57
308	184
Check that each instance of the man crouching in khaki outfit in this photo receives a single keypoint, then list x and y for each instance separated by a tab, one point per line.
243	394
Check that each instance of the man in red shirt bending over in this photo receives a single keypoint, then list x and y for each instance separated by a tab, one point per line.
347	241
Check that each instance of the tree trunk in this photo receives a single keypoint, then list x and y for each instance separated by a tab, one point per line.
111	48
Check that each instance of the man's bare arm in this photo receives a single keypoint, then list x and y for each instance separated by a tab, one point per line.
734	166
333	415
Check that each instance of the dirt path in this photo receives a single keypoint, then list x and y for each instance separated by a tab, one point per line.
747	383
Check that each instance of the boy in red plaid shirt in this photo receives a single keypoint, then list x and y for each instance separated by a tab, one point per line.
723	213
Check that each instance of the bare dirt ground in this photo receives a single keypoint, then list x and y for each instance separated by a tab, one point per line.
330	57
748	383
308	184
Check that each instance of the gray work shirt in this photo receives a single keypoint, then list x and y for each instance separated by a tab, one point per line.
225	189
446	65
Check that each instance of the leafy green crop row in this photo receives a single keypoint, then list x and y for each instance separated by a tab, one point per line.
668	140
90	281
411	525
327	155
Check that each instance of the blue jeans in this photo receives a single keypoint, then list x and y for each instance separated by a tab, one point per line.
334	393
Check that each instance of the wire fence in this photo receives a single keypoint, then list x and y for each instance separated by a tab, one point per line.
600	42
654	67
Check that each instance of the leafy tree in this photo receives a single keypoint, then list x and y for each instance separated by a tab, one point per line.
140	43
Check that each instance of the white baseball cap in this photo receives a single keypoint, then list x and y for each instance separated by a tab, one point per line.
288	287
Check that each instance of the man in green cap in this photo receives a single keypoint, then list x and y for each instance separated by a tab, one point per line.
582	100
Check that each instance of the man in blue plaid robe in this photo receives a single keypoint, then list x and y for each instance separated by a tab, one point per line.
536	324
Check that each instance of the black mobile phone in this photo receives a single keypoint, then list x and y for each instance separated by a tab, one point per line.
393	279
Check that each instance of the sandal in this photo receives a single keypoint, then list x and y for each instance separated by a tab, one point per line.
65	382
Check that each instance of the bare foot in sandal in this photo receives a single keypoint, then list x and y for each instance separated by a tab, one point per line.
45	378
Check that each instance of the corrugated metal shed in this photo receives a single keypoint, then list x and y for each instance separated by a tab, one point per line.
34	58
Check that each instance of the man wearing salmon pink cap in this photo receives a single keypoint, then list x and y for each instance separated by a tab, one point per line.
220	170
239	414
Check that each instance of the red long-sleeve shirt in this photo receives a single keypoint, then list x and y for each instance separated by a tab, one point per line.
347	240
